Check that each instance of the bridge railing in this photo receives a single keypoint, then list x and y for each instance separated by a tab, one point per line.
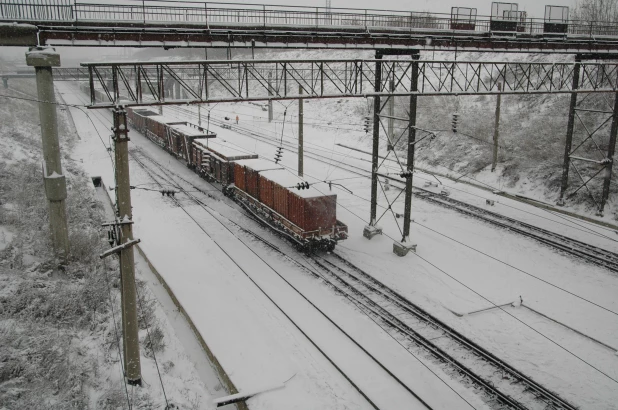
238	14
37	10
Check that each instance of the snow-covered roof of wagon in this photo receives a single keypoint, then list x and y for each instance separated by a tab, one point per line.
163	119
259	164
145	112
191	131
288	180
230	153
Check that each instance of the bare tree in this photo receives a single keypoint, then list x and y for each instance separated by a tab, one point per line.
596	10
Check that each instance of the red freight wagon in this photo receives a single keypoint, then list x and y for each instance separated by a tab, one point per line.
306	216
183	134
137	120
156	129
250	172
216	160
312	210
267	191
313	214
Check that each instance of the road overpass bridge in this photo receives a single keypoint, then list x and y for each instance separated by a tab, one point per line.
170	24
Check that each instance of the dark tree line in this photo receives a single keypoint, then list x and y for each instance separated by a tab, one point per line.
596	10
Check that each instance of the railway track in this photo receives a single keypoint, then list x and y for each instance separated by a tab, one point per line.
502	385
592	254
414	328
160	174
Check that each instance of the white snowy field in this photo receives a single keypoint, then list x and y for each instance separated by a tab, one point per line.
187	257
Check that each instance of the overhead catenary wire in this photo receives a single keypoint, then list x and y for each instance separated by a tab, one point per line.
152	347
493	188
141	307
551	339
319	275
547	282
520	321
279	307
111	304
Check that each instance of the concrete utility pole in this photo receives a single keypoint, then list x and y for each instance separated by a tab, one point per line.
391	119
43	59
130	338
270	93
300	132
496	130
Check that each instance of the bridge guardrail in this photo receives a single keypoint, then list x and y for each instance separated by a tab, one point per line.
219	13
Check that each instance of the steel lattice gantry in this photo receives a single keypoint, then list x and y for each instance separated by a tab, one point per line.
210	81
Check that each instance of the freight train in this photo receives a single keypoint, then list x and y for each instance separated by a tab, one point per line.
290	206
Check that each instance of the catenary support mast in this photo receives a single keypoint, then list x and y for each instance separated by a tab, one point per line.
300	133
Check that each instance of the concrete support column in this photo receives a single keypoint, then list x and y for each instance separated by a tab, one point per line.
43	59
132	366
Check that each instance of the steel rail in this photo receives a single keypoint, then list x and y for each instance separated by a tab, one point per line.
548	397
393	297
592	254
393	321
422	341
195	200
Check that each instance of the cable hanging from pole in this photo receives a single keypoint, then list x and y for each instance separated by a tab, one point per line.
279	152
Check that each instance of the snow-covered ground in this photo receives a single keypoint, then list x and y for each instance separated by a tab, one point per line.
263	348
58	321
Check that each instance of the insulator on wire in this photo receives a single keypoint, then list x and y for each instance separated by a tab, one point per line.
167	192
406	174
302	185
366	125
278	154
455	122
